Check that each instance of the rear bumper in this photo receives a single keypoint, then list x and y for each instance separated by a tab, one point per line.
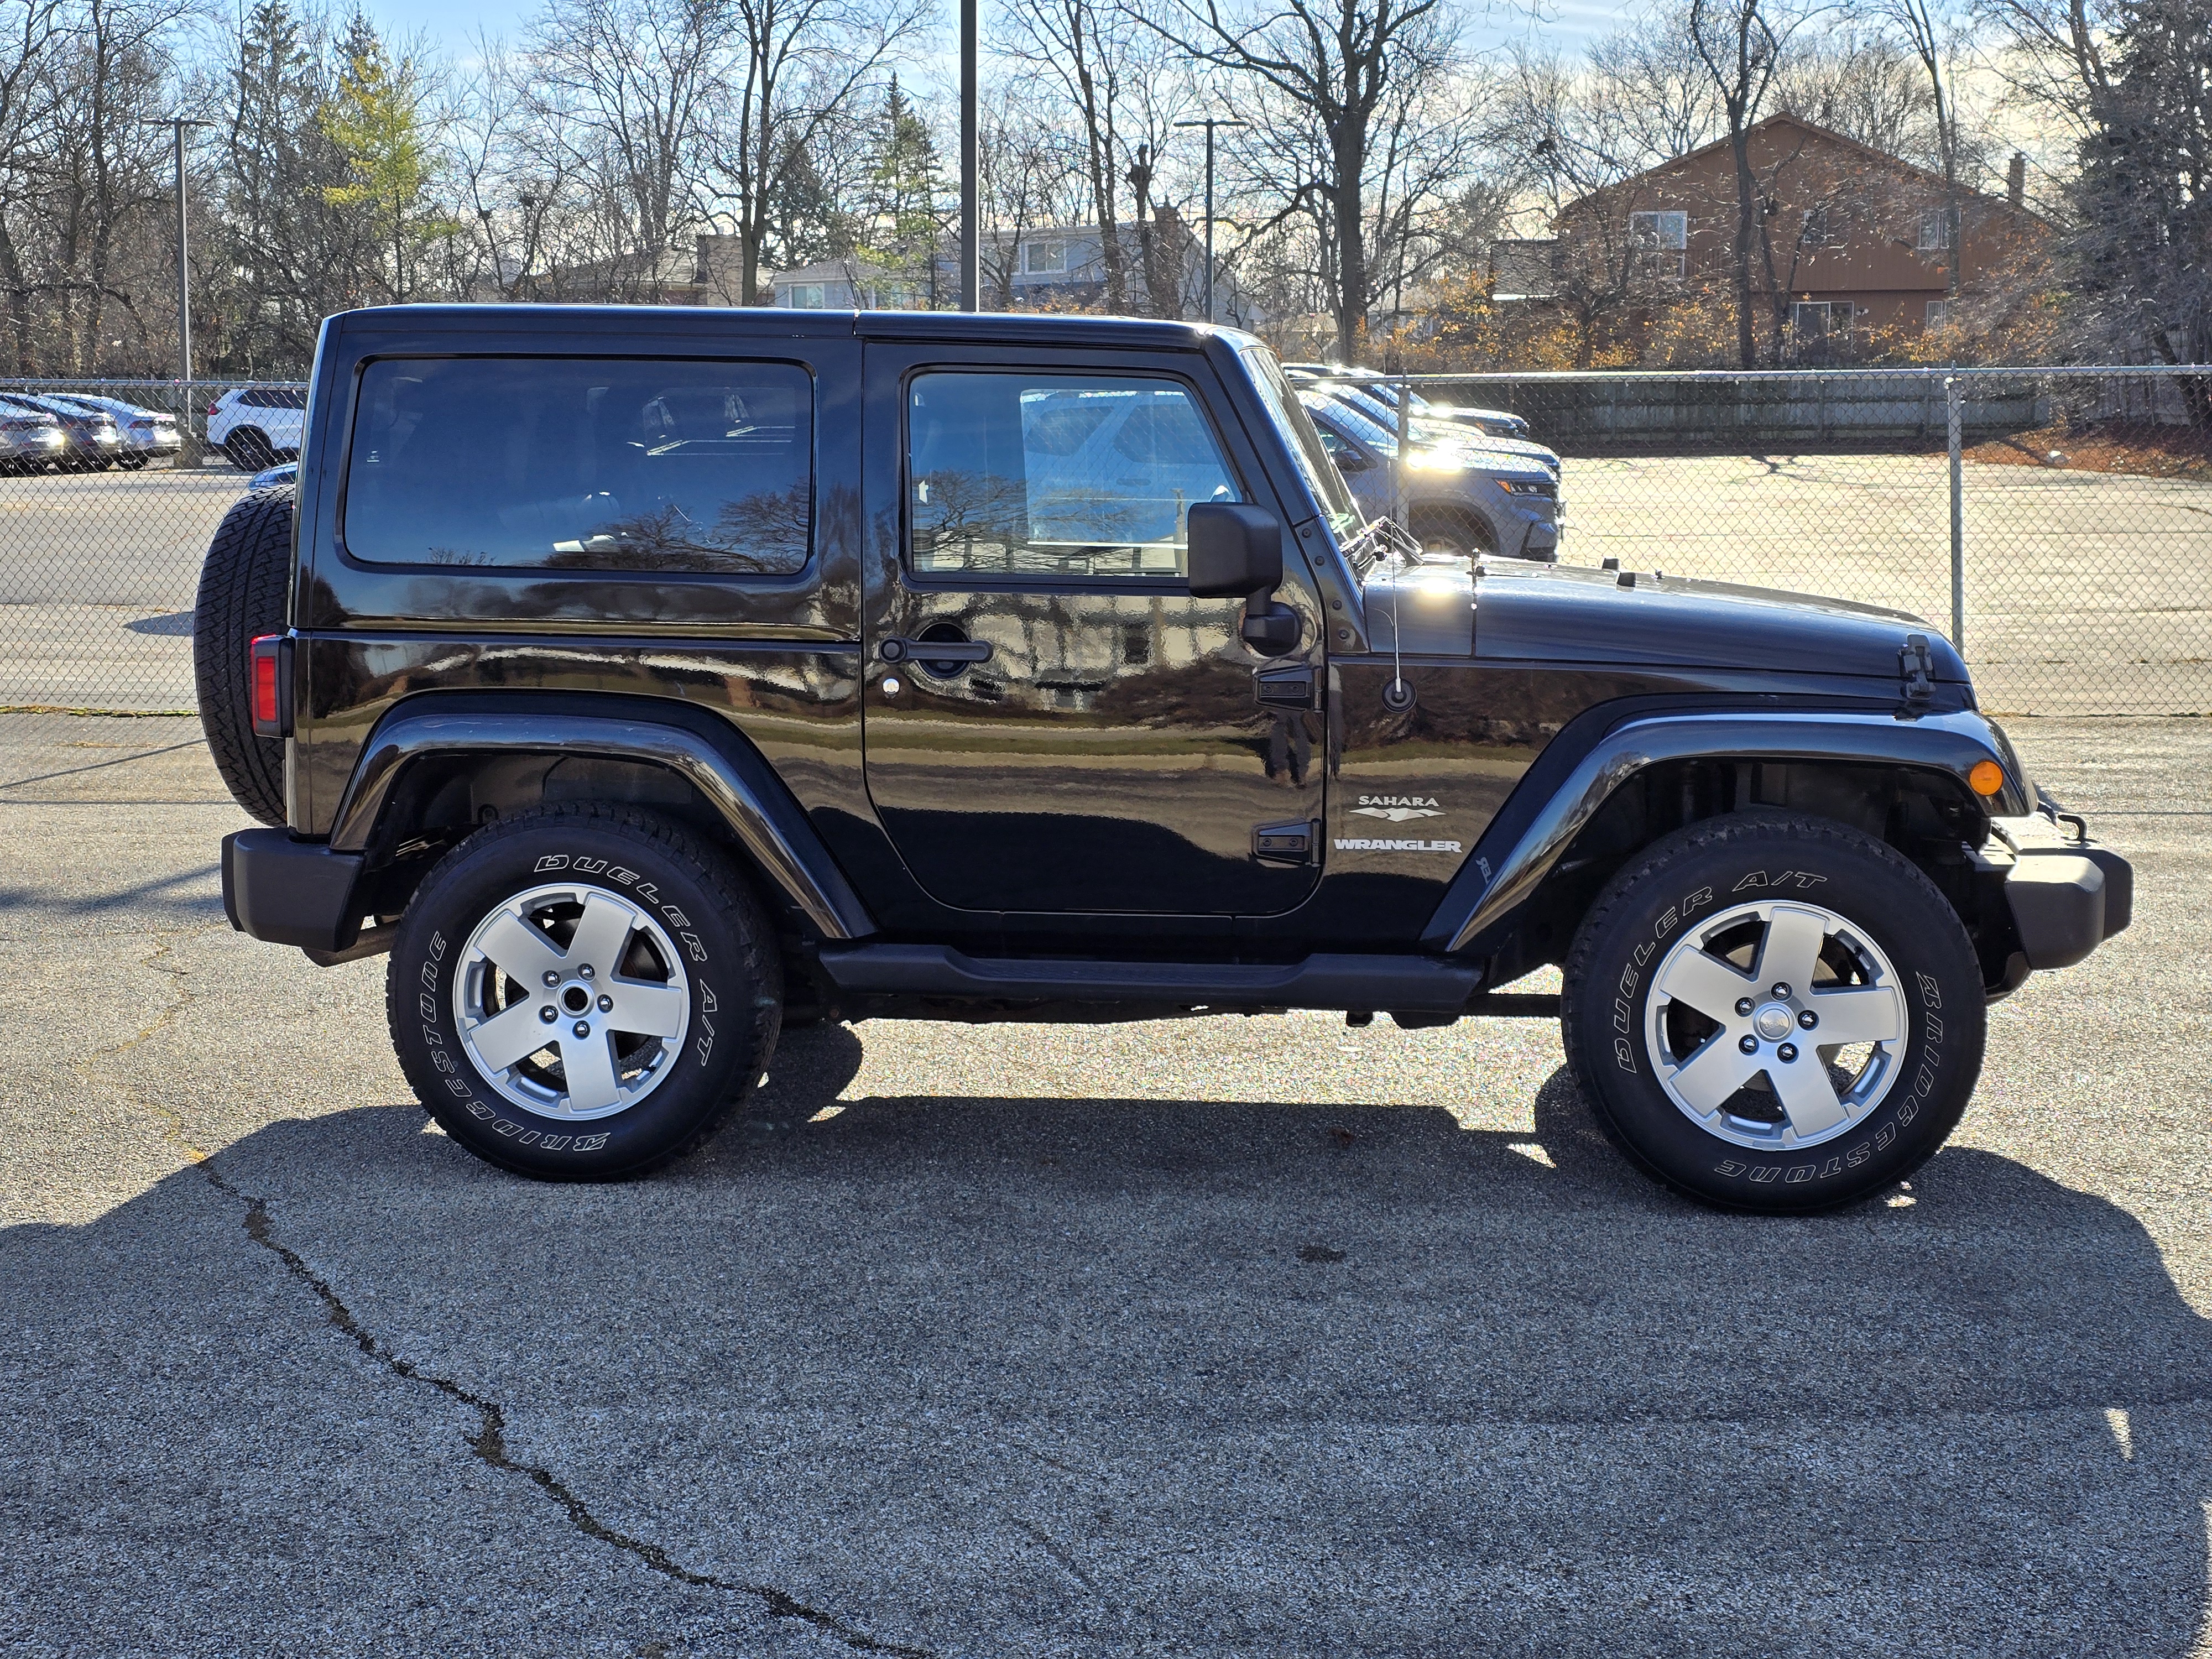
290	892
2067	896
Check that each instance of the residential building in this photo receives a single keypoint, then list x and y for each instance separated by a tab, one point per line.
1848	241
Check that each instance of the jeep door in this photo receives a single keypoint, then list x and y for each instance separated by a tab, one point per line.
1052	722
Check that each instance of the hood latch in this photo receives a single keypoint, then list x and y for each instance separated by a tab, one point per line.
1916	666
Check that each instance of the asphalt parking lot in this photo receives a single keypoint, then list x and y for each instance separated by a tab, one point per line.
1255	1338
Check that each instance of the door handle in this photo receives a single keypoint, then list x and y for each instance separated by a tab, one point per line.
895	649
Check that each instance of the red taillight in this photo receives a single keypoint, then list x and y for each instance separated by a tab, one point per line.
212	408
266	658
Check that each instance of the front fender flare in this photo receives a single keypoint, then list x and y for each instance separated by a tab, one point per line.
1497	880
760	811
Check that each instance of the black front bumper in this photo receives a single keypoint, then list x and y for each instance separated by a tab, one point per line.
2067	897
289	891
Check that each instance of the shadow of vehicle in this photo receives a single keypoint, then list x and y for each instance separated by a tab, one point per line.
1042	1375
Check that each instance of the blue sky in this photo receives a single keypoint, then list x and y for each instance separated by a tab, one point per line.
450	24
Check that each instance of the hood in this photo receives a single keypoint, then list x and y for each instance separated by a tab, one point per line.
1562	614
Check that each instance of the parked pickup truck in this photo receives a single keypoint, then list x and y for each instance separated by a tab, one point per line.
647	680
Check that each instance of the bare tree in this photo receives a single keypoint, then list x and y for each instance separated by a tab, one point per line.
799	64
1325	73
1740	46
1085	45
1925	24
633	88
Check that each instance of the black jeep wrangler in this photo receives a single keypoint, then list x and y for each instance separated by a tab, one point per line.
645	681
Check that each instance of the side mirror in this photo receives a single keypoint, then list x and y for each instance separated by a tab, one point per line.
1234	550
1238	549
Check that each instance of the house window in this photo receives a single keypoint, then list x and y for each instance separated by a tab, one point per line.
1939	315
1661	239
1935	232
1044	258
1815	320
805	295
1660	230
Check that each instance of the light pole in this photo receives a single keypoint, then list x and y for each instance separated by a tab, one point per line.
178	124
1209	123
972	206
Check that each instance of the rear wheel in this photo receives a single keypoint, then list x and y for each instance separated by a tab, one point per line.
249	449
244	583
1774	1013
582	993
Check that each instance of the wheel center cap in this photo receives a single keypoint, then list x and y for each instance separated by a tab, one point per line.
1774	1022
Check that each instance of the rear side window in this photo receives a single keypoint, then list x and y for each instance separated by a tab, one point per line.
274	397
1079	475
576	465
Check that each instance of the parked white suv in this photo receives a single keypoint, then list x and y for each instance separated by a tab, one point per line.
255	425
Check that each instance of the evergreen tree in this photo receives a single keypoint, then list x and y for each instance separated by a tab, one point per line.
372	117
2139	256
903	202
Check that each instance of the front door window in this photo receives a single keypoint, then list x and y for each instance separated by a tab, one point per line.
1057	475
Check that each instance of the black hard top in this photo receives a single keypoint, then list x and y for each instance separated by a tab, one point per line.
777	322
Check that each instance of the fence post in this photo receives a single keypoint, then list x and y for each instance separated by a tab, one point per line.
1405	436
1954	412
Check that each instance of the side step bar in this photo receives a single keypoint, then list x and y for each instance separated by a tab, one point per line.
1407	984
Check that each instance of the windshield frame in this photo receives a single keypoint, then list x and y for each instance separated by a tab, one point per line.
1340	511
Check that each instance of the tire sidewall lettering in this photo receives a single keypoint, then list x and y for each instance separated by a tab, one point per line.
1924	1061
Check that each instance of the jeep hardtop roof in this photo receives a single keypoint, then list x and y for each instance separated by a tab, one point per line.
767	322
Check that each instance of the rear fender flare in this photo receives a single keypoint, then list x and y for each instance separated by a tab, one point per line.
1505	869
760	811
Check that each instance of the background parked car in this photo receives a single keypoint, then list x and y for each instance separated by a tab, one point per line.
30	440
1492	422
255	425
94	441
1425	431
1458	501
148	433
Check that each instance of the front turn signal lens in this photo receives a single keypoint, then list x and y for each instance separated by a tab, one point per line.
1987	777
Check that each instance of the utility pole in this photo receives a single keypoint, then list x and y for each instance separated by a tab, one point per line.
971	206
1209	123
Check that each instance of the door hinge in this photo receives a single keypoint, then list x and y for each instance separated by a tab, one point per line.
1292	843
1289	689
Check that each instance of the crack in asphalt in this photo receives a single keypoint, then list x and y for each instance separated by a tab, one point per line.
489	1441
489	1444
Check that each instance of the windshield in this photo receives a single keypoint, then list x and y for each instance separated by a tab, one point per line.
1296	431
1362	426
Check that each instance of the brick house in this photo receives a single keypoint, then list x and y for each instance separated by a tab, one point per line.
1855	240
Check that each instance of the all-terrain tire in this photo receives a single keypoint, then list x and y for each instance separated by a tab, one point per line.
547	889
244	585
1727	1108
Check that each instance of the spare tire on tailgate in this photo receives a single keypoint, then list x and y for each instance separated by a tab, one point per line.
243	588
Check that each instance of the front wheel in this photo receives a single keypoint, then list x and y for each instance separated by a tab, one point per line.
582	993
1773	1012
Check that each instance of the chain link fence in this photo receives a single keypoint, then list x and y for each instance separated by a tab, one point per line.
2055	522
109	493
